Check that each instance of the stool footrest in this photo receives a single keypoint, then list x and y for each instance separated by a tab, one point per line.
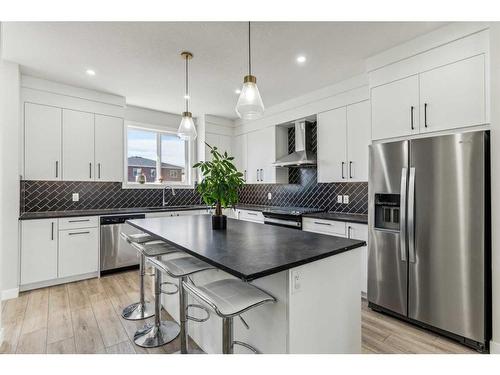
199	320
170	284
245	345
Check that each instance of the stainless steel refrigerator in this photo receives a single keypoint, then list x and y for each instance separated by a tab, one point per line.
429	234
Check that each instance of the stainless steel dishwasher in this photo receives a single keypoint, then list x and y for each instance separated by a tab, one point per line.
116	253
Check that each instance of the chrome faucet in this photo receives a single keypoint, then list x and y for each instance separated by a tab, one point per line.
164	189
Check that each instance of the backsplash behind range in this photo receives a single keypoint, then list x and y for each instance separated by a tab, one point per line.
41	196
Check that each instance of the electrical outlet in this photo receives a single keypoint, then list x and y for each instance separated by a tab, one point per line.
346	199
339	198
269	196
75	197
296	281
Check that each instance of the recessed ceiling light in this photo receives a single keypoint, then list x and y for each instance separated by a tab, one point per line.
90	72
237	91
301	59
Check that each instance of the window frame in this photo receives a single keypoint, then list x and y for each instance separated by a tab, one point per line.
159	130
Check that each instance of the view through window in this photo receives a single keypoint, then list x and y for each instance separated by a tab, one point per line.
158	157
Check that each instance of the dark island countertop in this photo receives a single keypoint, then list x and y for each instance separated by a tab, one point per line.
340	216
246	250
105	211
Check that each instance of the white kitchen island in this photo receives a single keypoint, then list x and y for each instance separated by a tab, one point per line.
315	279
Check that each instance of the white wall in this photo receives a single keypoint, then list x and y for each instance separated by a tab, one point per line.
9	176
495	180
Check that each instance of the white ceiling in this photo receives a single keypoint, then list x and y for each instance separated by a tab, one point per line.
141	60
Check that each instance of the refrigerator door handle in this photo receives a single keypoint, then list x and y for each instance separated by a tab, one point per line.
411	216
402	216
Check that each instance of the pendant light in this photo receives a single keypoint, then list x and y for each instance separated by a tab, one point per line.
187	130
249	106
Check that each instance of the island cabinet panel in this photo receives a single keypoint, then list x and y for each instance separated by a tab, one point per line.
38	250
268	323
324	307
78	252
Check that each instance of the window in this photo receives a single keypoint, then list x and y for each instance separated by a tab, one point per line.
161	156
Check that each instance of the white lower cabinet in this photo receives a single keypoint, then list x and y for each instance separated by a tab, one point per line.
360	232
78	252
247	215
53	250
341	229
38	251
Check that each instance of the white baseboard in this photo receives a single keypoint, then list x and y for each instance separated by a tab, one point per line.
9	294
494	347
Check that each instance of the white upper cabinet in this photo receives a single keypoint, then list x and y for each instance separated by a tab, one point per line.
78	145
343	139
332	147
358	139
222	142
453	95
264	146
395	108
240	150
42	142
108	148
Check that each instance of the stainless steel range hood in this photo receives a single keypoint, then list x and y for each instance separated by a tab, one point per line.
303	156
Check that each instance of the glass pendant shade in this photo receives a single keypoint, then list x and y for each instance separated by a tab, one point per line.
187	130
250	105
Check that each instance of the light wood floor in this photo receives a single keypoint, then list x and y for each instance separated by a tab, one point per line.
84	317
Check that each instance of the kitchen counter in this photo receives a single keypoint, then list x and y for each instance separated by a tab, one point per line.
245	250
107	211
339	216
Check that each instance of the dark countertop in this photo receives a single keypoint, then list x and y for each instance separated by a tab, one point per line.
107	211
246	250
340	216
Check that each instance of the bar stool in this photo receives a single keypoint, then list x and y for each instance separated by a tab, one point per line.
181	269
229	298
161	332
142	309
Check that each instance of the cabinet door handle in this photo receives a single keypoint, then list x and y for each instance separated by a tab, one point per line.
99	170
90	170
320	223
262	175
343	170
52	231
425	114
257	175
411	117
350	169
78	221
57	168
76	233
349	232
251	213
245	174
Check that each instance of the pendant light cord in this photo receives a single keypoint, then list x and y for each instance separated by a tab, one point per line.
249	52
187	86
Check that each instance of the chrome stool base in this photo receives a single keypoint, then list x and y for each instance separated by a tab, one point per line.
138	311
152	336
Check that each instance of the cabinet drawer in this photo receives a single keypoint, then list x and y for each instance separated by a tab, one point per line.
78	251
78	222
254	216
336	228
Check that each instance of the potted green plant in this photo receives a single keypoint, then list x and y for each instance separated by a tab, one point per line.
220	184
